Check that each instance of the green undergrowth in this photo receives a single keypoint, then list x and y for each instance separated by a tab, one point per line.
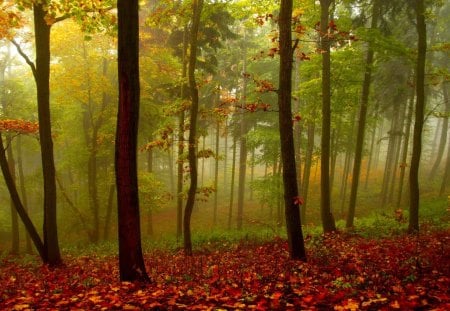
434	216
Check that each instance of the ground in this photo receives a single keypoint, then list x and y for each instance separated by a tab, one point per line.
344	272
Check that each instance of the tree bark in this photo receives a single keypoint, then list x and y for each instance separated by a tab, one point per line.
233	173
328	223
180	165
307	170
31	229
131	262
362	119
242	148
292	201
42	77
197	6
413	225
404	156
446	177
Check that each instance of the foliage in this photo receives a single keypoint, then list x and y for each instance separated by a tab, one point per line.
19	126
344	272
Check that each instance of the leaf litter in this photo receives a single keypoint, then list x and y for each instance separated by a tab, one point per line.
343	272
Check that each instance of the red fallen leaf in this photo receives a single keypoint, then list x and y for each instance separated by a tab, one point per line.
308	299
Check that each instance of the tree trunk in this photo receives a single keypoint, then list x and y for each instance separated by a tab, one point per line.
233	173
292	201
328	223
390	155
23	191
419	118
216	171
362	119
31	229
131	262
15	241
307	170
42	77
446	177
180	165
197	6
242	149
443	138
404	156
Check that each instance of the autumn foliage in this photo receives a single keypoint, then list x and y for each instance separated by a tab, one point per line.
344	272
19	126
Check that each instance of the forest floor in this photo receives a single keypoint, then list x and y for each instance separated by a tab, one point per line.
344	272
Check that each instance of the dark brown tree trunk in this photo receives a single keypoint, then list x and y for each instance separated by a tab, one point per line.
307	170
328	223
291	197
242	172
362	119
15	241
23	191
404	156
419	118
31	229
42	77
180	165
372	150
242	149
233	173
197	6
388	176
131	262
446	177
216	171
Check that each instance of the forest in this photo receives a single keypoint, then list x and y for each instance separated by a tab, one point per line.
224	155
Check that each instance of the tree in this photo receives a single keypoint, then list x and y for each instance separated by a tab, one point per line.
414	194
131	262
20	127
42	76
292	201
197	6
362	118
325	197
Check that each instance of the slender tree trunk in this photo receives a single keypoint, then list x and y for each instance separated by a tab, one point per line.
419	118
308	164
197	9
15	241
180	165
390	156
42	77
233	172
292	201
23	191
405	146
362	119
446	177
31	229
242	149
131	261
398	144
443	137
216	172
372	150
328	223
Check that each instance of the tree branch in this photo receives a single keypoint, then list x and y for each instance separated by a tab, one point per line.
25	57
